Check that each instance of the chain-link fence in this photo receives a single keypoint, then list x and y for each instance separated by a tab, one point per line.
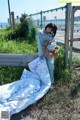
56	16
75	36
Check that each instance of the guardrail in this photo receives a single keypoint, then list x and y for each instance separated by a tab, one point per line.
16	59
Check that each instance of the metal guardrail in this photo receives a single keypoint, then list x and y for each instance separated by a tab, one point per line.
16	59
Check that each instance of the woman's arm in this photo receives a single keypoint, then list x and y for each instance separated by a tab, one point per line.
40	51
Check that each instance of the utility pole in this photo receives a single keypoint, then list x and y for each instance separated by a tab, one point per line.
9	12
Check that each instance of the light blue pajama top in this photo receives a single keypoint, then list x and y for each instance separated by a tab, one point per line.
41	38
50	60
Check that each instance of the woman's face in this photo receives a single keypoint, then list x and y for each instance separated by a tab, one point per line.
48	30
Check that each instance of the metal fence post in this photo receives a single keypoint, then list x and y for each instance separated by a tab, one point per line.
13	21
41	20
71	37
67	25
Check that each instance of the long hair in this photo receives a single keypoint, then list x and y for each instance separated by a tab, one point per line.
53	27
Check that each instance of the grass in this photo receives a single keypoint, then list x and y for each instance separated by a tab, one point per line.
18	47
10	74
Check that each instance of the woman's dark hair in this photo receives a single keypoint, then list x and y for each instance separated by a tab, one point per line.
53	27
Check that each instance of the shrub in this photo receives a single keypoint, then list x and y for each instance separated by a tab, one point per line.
25	29
32	35
59	64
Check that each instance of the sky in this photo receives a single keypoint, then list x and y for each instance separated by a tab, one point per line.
27	6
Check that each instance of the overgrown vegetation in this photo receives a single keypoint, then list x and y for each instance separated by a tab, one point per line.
20	41
18	47
23	30
59	63
10	74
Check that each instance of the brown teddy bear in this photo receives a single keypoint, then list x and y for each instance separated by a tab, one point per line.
50	48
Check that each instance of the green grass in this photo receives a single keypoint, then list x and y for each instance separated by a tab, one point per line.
18	47
10	74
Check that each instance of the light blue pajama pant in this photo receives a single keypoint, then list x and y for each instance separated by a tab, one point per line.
50	63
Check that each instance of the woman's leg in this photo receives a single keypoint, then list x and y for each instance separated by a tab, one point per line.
50	63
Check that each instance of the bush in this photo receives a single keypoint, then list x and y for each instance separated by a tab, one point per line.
23	30
32	35
59	64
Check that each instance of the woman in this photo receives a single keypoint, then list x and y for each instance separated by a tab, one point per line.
47	34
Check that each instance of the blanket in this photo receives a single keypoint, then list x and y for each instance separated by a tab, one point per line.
32	86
